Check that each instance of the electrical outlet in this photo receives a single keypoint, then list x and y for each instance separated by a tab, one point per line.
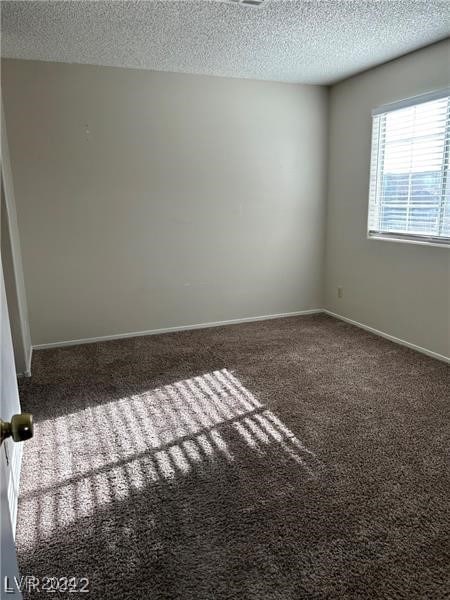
340	291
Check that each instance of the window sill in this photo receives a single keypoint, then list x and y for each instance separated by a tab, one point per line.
407	240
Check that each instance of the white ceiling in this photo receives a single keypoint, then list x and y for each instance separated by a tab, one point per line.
305	41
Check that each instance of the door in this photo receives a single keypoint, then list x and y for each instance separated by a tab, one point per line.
10	456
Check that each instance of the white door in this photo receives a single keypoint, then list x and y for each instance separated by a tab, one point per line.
10	456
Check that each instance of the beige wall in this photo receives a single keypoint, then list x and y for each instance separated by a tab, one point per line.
148	200
400	289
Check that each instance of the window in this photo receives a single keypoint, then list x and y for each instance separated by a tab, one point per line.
409	196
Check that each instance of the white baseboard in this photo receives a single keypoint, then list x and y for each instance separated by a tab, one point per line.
392	338
120	336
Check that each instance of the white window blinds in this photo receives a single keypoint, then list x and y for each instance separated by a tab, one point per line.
409	195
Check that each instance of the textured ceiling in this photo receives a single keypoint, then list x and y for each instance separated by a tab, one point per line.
307	41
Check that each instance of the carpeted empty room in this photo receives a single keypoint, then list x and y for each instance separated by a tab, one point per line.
294	458
225	300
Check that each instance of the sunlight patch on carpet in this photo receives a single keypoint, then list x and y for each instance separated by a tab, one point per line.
106	452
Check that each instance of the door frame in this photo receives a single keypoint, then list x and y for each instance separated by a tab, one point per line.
12	262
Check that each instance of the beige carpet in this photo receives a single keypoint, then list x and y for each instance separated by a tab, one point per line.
299	458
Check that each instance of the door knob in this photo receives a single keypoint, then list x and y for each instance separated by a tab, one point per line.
20	428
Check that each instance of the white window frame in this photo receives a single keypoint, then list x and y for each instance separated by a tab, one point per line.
420	239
